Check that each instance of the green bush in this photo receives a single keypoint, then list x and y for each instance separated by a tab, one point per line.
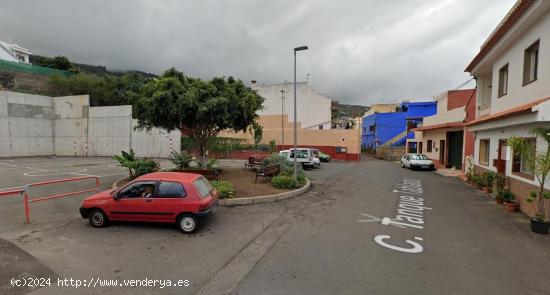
126	159
224	188
272	146
145	166
499	182
488	179
181	160
275	158
136	167
283	181
478	180
508	196
212	164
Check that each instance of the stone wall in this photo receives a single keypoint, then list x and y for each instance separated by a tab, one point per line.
19	81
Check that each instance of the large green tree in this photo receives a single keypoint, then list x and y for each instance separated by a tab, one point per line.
198	109
107	90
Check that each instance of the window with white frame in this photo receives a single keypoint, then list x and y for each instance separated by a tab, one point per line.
520	164
531	63
484	148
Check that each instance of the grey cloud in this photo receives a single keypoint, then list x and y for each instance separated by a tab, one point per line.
360	51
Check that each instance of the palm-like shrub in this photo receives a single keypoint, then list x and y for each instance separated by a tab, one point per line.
181	160
136	167
536	161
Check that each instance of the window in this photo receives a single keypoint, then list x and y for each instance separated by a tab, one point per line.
520	166
138	190
203	186
429	146
531	63
484	148
171	190
372	128
503	81
302	154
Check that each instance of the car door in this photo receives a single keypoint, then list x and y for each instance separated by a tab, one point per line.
171	199
134	202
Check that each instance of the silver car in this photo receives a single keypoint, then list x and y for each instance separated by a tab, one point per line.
417	161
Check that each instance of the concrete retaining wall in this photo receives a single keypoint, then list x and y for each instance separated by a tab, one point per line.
26	124
34	125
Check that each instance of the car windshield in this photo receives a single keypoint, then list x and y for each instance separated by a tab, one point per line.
419	157
203	186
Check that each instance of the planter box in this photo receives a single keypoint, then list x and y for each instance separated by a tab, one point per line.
512	207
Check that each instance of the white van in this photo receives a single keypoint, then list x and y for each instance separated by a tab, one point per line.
304	156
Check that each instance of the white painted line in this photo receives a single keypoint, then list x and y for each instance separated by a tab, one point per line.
56	172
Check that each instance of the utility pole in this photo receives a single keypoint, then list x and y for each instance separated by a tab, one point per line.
295	174
282	119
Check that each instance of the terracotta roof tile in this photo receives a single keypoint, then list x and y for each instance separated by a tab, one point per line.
524	108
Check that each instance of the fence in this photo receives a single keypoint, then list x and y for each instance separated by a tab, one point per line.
390	153
25	192
32	69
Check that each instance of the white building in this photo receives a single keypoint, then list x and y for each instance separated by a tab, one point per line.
14	52
513	82
313	108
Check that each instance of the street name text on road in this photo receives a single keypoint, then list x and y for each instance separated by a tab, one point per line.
410	214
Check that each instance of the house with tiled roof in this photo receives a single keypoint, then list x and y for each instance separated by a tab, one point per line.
512	70
443	137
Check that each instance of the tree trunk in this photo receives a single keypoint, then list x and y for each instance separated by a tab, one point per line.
202	138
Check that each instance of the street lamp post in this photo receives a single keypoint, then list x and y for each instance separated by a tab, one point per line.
282	119
294	174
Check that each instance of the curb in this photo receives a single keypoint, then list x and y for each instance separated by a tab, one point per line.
115	184
265	199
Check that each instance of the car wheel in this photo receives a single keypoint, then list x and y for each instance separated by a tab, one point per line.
98	218
188	223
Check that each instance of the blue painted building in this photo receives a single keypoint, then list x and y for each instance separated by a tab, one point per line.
393	128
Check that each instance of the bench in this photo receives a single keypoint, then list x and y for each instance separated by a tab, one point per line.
267	171
253	162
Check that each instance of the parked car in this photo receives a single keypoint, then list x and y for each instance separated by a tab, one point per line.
416	161
166	197
324	157
304	156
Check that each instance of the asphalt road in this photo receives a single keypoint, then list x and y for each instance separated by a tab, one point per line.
469	245
322	242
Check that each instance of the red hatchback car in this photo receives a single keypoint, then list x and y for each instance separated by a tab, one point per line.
167	197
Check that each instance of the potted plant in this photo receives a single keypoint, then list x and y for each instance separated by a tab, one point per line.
539	163
479	181
499	183
509	200
487	182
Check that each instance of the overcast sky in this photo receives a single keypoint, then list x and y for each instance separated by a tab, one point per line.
362	51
